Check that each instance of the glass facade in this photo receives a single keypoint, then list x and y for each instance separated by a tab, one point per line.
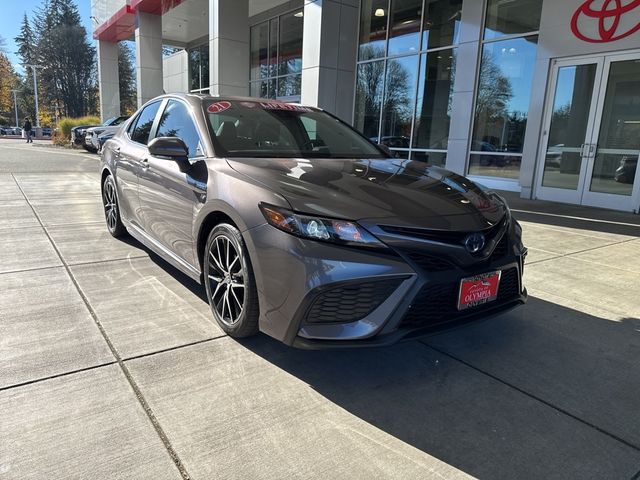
503	89
405	74
199	69
276	57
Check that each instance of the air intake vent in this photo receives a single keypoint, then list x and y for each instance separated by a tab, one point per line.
348	303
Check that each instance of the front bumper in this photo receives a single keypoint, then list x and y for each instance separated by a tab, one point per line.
320	295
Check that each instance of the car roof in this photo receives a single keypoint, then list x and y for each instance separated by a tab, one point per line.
195	98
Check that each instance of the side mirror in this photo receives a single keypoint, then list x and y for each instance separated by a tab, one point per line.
169	147
385	149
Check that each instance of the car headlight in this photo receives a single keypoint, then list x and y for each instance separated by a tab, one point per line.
337	231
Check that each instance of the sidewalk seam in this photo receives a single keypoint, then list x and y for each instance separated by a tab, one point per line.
534	397
132	383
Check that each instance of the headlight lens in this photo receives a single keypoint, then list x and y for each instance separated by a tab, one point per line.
316	228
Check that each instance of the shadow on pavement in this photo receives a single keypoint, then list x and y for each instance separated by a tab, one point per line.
457	401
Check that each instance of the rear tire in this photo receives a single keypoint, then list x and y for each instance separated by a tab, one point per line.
111	208
229	281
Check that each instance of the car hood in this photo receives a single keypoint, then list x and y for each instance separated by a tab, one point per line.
392	191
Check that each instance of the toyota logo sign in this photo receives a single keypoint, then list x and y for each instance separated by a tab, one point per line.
607	18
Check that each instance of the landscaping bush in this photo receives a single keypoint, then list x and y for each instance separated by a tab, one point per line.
66	124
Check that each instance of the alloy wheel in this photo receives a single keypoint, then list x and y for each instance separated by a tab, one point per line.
227	280
110	205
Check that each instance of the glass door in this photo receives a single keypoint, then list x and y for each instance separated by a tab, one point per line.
568	126
591	141
612	173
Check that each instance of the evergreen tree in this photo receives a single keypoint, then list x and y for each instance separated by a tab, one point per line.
26	42
127	80
67	59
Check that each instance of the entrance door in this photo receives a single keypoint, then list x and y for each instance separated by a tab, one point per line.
592	135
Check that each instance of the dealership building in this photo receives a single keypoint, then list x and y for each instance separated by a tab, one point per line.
540	97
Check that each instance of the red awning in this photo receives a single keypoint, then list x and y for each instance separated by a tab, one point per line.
122	24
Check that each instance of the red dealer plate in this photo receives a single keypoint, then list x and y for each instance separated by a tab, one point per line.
478	290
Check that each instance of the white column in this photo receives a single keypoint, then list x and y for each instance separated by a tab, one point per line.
229	47
329	54
108	79
464	86
149	57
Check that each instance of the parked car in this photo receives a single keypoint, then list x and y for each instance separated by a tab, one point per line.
626	171
11	130
46	131
78	133
92	134
302	228
102	139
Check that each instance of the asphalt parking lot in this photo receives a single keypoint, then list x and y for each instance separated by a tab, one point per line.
111	366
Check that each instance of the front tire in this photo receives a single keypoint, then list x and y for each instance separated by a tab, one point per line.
229	281
111	209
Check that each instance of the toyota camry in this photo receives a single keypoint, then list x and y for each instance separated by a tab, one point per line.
300	227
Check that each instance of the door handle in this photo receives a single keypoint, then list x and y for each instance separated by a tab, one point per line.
584	154
592	150
116	151
145	163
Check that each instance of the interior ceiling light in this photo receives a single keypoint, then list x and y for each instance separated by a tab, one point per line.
298	14
379	12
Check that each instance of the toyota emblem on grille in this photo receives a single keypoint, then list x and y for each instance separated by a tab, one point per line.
474	242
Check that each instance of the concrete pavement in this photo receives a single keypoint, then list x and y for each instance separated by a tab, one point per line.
111	366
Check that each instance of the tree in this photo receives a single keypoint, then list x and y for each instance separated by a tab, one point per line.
8	82
127	80
66	57
26	42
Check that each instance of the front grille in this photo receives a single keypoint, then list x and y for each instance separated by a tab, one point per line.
430	262
502	248
437	303
442	236
348	303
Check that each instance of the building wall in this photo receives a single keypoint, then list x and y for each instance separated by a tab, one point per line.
175	69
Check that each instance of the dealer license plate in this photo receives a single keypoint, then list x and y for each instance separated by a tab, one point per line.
478	290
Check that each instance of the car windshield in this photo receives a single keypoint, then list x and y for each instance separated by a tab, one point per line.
274	129
112	122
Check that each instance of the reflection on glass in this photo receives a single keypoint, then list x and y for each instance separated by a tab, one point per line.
259	51
432	158
290	51
404	154
502	101
260	89
289	88
373	28
441	23
404	34
194	69
370	82
492	165
399	95
512	17
568	128
433	105
204	66
616	160
199	67
273	47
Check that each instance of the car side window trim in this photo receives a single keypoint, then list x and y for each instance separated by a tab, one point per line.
191	118
154	125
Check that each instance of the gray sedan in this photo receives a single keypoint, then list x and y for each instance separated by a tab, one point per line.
300	227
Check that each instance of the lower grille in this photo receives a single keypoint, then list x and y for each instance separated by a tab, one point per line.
437	303
348	303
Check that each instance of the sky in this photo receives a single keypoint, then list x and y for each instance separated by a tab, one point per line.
11	19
